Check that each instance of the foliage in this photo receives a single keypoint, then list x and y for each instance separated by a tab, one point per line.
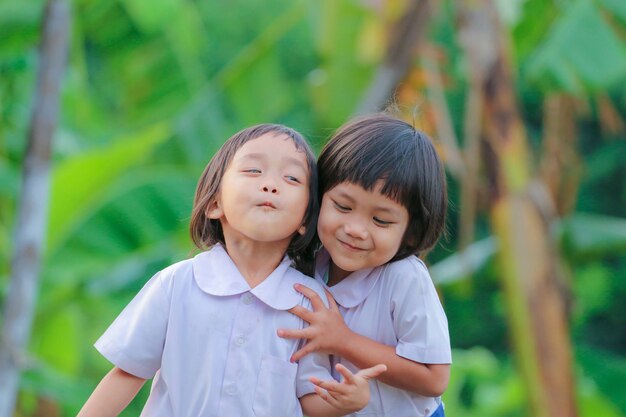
153	88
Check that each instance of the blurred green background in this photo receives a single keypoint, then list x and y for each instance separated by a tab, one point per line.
153	87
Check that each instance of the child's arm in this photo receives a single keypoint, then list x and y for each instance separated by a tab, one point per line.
334	399
327	332
112	395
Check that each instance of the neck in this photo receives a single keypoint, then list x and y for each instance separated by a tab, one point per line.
255	260
335	274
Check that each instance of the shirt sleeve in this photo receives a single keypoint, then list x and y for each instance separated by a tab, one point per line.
419	320
314	364
134	341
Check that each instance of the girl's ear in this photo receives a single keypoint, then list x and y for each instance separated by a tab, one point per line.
302	230
214	210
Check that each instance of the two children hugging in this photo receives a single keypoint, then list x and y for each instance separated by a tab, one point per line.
205	329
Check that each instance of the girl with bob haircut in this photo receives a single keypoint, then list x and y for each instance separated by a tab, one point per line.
205	328
383	203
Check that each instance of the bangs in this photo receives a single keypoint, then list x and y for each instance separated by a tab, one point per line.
383	160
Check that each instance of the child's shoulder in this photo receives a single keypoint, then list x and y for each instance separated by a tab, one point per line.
180	266
297	277
411	264
176	270
407	271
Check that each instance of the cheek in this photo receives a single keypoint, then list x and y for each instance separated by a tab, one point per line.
321	226
302	202
396	242
324	225
325	219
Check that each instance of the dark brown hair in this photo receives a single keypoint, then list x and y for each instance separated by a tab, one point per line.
382	148
207	232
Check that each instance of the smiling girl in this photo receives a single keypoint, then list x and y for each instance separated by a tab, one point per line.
383	203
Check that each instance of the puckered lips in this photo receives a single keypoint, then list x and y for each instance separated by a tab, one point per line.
267	204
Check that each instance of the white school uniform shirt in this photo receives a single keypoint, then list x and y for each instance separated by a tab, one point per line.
394	304
210	341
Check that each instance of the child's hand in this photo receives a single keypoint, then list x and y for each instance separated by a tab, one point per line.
352	393
327	332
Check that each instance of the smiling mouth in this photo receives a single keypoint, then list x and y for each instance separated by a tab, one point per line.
350	247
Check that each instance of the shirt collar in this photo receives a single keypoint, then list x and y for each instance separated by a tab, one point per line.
216	274
353	289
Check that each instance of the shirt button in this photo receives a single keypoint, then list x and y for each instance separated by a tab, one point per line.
247	299
240	340
231	389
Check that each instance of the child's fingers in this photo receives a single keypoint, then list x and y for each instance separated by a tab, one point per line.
372	372
294	334
325	395
302	352
316	300
333	387
304	313
331	301
345	372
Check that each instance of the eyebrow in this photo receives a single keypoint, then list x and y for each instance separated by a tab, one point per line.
289	160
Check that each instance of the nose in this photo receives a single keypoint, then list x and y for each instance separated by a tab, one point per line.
270	189
355	230
269	186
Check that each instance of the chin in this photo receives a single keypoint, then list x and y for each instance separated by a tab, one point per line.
347	265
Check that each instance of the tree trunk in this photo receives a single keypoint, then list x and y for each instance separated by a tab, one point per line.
19	305
402	49
560	165
531	275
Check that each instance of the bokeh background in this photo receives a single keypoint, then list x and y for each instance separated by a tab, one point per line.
525	99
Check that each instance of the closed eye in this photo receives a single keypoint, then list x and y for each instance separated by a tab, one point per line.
341	208
381	222
292	178
252	170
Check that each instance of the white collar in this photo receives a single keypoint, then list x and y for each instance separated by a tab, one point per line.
216	274
353	289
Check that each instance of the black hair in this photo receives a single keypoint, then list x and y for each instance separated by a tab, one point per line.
380	148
